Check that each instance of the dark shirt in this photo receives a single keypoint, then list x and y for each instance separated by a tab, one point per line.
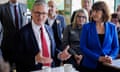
101	38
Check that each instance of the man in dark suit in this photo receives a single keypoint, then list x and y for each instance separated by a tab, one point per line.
57	23
31	51
1	34
12	17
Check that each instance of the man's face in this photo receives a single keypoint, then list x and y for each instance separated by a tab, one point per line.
86	4
39	14
52	7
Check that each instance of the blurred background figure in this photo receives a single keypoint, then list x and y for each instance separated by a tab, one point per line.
57	23
13	18
4	66
99	41
1	34
71	38
116	20
86	4
118	9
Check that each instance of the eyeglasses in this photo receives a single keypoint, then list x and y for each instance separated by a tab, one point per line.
40	13
81	16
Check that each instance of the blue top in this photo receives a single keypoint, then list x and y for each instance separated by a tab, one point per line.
91	47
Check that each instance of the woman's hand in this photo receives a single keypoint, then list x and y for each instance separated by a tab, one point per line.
78	58
105	59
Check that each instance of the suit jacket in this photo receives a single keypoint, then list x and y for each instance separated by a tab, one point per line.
1	33
91	47
72	37
10	29
28	49
58	27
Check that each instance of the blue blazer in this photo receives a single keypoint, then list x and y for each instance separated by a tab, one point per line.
28	49
91	47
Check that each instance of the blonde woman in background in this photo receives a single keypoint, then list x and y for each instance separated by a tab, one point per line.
86	4
71	39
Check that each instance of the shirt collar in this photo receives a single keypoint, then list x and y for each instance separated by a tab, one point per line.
37	27
13	4
53	18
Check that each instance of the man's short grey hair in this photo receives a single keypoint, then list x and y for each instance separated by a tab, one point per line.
39	3
54	2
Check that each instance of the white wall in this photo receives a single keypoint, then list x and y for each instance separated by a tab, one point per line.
3	1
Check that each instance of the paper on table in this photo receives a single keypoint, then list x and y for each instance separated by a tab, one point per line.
115	63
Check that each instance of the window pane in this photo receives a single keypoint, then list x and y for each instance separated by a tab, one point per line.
76	4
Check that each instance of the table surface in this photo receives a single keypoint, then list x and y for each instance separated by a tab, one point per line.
115	63
58	69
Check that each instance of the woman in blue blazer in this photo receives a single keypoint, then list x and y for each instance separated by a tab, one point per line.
99	40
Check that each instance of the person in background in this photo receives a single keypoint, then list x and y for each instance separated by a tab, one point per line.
36	47
118	10
13	17
57	23
71	38
4	66
1	37
1	34
86	4
115	19
99	41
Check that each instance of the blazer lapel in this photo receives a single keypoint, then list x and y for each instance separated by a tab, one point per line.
36	49
96	35
9	13
106	34
105	38
32	37
57	22
51	39
47	22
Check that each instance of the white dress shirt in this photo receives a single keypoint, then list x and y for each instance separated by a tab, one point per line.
37	32
51	21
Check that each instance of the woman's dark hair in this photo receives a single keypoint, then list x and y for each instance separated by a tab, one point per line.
115	15
101	5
